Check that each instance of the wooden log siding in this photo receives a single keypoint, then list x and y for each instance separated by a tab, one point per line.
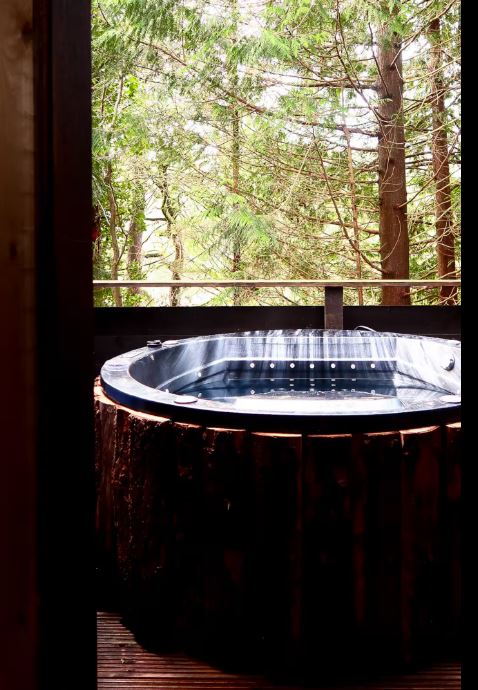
280	545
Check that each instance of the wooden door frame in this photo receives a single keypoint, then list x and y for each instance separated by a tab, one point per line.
64	328
47	492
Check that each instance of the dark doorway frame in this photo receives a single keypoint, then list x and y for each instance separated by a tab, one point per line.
64	332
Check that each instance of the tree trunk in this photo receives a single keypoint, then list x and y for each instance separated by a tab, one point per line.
135	235
353	201
134	254
236	257
114	238
441	170
394	246
170	212
235	152
178	264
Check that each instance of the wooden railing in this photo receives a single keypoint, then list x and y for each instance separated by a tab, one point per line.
275	283
333	289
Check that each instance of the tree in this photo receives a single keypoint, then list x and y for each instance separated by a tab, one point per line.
279	140
441	168
394	243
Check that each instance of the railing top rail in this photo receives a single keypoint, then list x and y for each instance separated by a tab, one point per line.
276	283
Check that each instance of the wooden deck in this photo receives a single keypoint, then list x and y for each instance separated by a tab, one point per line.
124	665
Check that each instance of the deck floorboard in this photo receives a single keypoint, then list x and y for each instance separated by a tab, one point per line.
124	665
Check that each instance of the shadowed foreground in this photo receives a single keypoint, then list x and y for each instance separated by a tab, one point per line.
123	663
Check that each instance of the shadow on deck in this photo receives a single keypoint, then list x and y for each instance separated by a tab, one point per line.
123	663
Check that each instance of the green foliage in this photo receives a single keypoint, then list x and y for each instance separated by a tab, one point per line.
218	138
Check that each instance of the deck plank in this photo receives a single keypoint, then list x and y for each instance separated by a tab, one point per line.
124	665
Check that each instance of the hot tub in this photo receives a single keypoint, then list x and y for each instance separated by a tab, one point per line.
284	380
287	496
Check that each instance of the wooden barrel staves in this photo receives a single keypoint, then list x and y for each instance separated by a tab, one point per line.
288	549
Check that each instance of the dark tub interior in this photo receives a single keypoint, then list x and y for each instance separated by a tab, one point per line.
298	377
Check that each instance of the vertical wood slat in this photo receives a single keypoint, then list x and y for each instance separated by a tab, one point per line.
334	308
420	567
223	522
328	547
382	458
105	449
451	525
185	448
276	562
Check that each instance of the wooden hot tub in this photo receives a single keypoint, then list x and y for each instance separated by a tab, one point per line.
294	537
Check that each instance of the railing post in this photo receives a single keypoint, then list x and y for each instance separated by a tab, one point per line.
334	308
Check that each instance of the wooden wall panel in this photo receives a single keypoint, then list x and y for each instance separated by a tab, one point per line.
46	503
17	419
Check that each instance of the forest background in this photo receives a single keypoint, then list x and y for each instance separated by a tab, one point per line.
275	139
